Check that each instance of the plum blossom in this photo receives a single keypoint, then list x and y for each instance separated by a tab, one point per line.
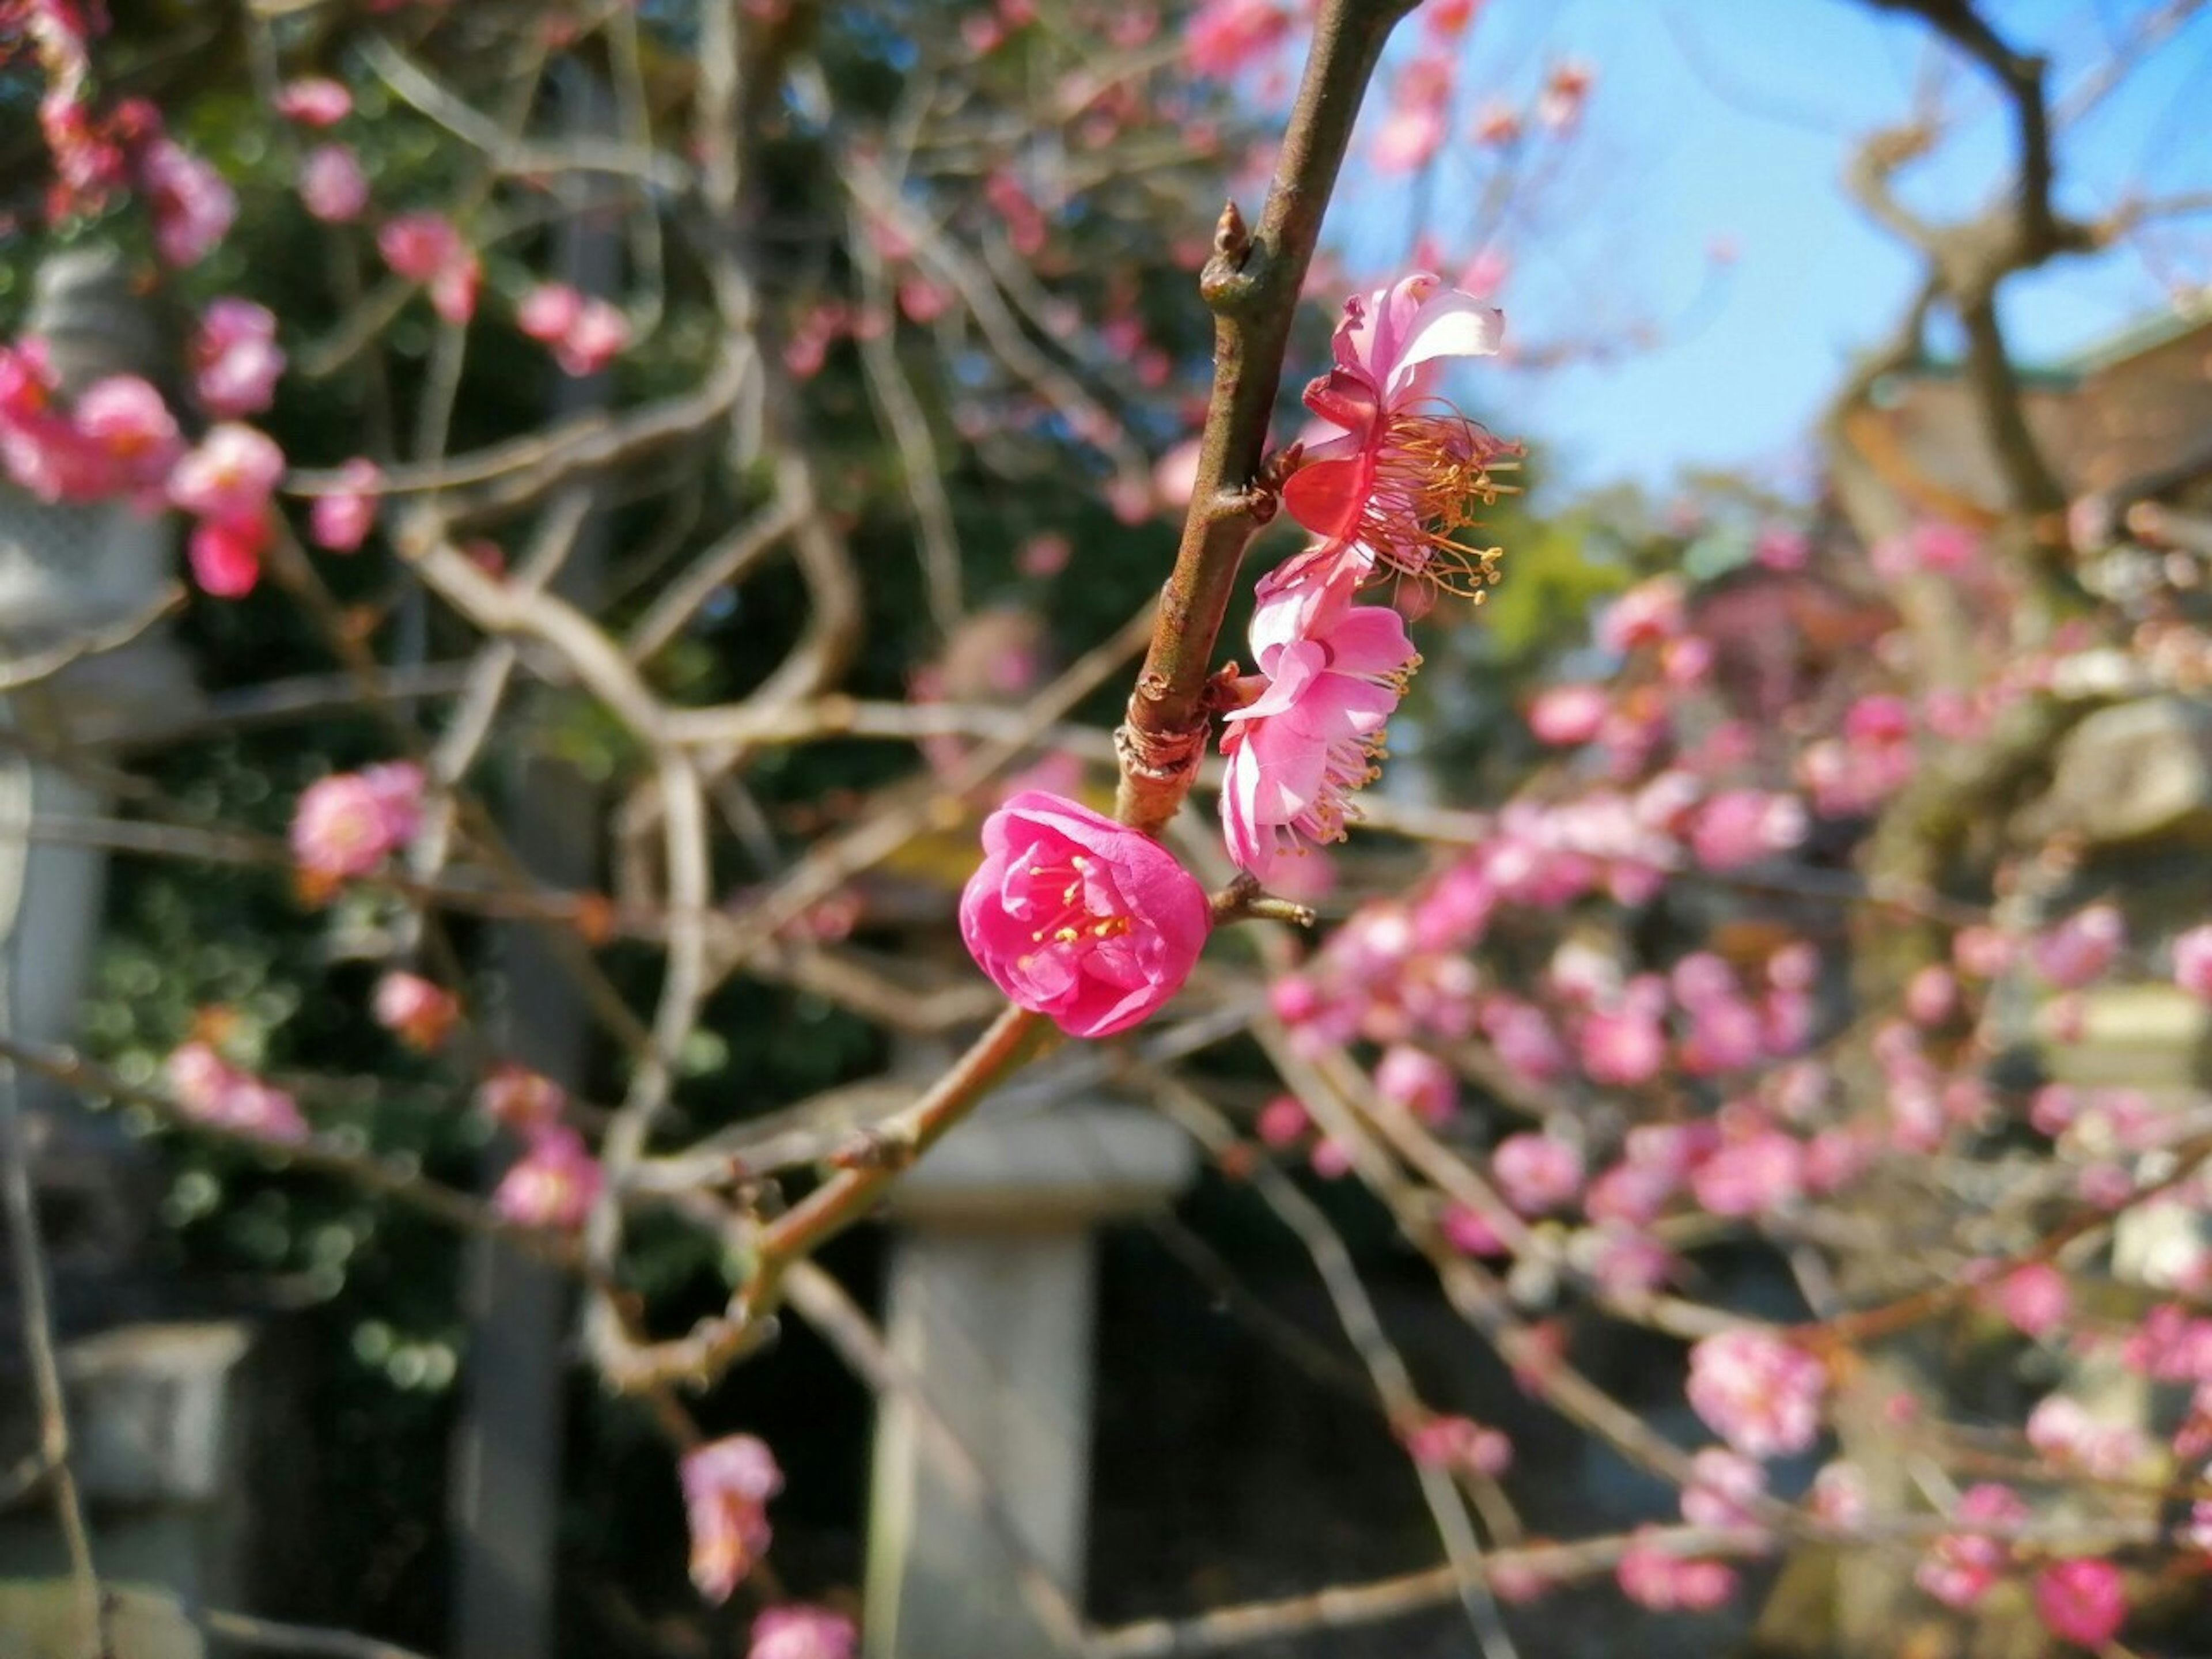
1563	715
1400	480
119	439
340	521
2064	1431
332	186
795	1631
192	207
415	1010
1537	1172
1651	613
2033	1299
1460	1443
2081	1601
1079	918
1960	1567
210	1089
586	334
426	248
1297	753
228	476
1652	1576
1756	1174
344	824
522	1099
1420	1082
553	1184
726	1486
1724	1489
1739	827
1839	1495
2192	961
235	358
2081	948
1758	1392
314	100
1223	36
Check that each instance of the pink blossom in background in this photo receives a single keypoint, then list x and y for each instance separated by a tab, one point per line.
1563	715
1298	751
1622	1047
1741	826
425	247
130	435
1283	1122
1960	1567
523	1099
340	521
225	555
553	1184
416	1011
1839	1496
1447	19
1652	1576
228	476
235	358
1224	37
1330	1159
344	824
1469	1232
586	333
1756	1176
1649	614
210	1089
1758	1393
2033	1299
2083	1601
314	100
726	1486
1724	1489
1982	952
332	186
1460	1443
1537	1173
2081	948
1931	998
1559	107
1404	463
549	311
797	1632
192	206
1418	1081
1079	918
2192	961
1633	1194
1174	474
2065	1433
1779	547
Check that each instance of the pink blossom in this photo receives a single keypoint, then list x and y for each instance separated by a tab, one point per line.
226	554
1460	1443
1757	1174
1330	1158
1982	952
341	521
235	358
228	476
425	247
1223	36
1560	105
553	1184
314	100
1758	1392
2192	961
1652	1576
1469	1231
1418	1081
1931	998
1626	1264
1283	1122
192	207
417	1011
1740	826
344	824
1537	1173
125	424
1079	918
1839	1496
1400	480
1624	1047
2064	1432
1651	613
2081	948
1726	1035
793	1631
1724	1489
1563	715
1960	1567
209	1089
1298	751
726	1486
522	1099
332	186
2033	1299
1631	1193
2081	1601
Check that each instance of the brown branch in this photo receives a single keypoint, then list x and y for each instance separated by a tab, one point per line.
1252	284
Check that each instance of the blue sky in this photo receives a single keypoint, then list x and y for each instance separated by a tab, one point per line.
1734	118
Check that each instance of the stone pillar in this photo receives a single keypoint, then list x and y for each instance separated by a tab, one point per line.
990	1306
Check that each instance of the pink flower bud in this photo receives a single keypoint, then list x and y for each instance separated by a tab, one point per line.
340	521
332	186
417	1011
314	100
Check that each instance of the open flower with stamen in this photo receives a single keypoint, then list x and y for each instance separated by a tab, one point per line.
1402	483
1079	918
1300	749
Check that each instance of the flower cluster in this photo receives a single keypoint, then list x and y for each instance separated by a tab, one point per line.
210	1089
1387	494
